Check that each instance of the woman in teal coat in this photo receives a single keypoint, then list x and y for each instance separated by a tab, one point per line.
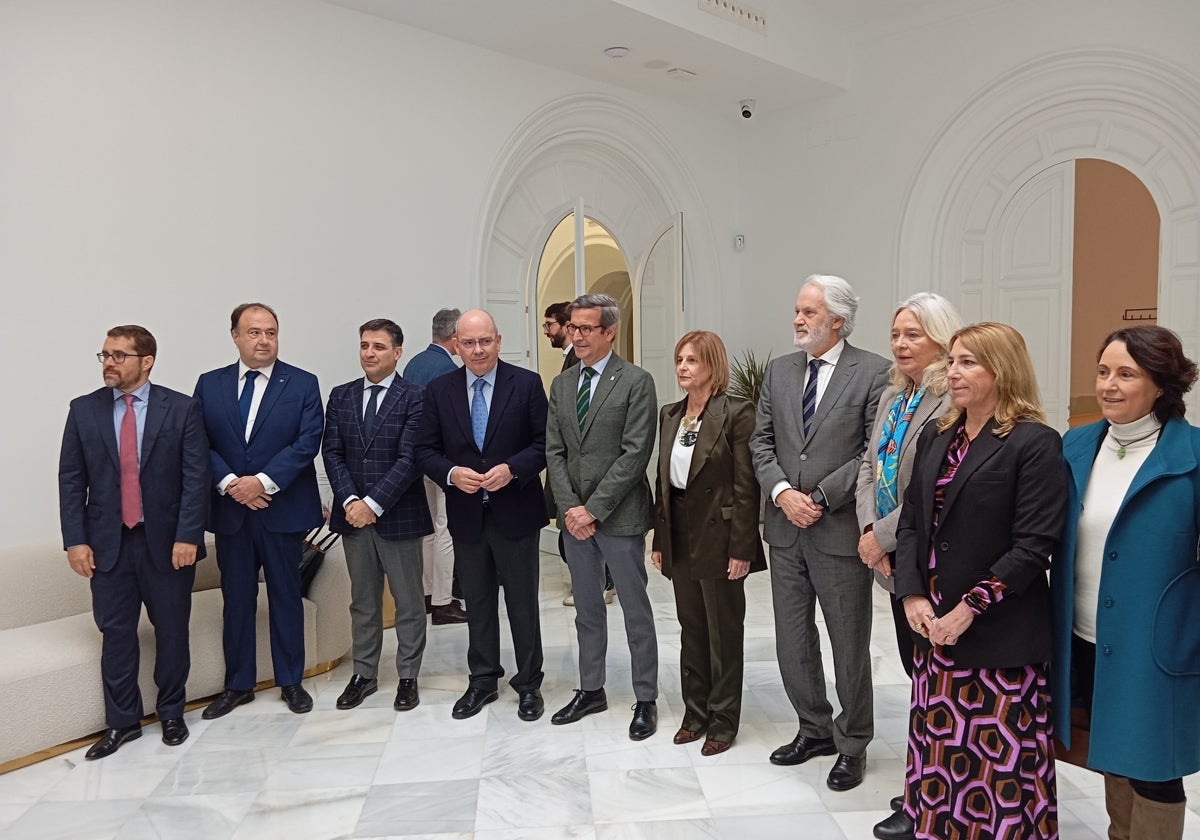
1126	584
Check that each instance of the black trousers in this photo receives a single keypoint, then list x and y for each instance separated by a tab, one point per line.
484	566
117	598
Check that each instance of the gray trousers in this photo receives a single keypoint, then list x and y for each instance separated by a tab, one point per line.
626	559
801	577
369	558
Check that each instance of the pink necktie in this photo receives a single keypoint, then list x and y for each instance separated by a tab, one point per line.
131	489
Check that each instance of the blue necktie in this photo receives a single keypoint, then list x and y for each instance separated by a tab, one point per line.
809	405
479	414
372	409
247	397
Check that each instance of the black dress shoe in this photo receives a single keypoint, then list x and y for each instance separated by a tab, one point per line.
847	772
450	613
584	703
111	740
175	732
474	699
298	700
645	720
407	696
226	702
530	706
802	749
358	689
896	803
895	827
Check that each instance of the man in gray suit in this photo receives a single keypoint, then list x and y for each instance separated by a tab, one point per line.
814	420
599	439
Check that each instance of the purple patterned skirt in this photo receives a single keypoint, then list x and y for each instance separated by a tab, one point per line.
980	755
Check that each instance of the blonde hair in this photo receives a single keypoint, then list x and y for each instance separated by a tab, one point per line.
711	352
1001	350
940	320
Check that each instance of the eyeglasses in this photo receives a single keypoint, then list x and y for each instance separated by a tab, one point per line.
469	344
118	356
583	329
546	325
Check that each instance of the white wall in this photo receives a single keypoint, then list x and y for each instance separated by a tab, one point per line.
825	185
161	162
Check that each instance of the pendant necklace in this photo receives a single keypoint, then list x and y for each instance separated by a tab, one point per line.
1121	444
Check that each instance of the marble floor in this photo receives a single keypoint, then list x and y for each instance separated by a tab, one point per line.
262	772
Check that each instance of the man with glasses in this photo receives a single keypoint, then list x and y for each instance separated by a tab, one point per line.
483	437
133	481
599	439
264	421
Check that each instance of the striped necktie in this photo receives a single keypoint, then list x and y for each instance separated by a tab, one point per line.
583	399
809	404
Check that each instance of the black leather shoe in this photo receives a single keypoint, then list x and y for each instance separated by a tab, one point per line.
407	696
298	700
175	732
896	803
645	720
584	703
895	827
111	741
226	702
847	772
530	706
802	749
358	689
474	699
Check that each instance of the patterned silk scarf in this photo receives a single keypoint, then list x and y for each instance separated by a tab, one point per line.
887	464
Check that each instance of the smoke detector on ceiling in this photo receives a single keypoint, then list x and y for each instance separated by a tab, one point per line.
617	52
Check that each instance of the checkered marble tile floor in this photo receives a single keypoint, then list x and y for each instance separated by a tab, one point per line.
262	772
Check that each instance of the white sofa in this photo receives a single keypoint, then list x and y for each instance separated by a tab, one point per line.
50	689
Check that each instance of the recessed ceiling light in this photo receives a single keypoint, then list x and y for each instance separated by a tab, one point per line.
617	52
681	75
656	64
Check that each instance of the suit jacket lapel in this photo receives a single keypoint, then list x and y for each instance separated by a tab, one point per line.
796	394
103	411
985	445
608	381
929	405
842	372
230	387
666	438
500	396
387	404
1171	456
279	380
710	431
156	413
1080	455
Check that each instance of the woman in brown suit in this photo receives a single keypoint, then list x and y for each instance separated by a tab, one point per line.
706	537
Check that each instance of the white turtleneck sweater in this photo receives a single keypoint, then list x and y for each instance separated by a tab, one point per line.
1107	486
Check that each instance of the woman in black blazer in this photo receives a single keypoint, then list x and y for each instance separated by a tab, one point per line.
706	537
981	516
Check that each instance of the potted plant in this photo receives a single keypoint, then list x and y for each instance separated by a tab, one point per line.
746	374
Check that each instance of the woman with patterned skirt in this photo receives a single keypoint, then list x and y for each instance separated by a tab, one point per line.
980	518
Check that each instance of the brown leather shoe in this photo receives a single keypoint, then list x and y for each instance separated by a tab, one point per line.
712	746
450	613
686	736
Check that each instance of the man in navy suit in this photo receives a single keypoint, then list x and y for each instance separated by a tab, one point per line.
483	438
133	494
437	550
379	509
264	422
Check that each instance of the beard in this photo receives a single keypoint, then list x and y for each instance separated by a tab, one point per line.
559	341
816	338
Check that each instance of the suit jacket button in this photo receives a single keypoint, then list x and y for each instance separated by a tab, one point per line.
708	492
944	546
804	456
711	523
612	505
1107	650
1108	602
364	460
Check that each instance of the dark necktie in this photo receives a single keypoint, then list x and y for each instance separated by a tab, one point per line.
372	409
809	405
479	414
131	489
247	397
583	399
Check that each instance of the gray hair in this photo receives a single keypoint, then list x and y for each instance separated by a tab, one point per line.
940	321
610	310
840	299
445	322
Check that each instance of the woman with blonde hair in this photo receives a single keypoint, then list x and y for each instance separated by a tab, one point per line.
706	537
981	517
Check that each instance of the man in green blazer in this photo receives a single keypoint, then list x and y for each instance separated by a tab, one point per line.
599	440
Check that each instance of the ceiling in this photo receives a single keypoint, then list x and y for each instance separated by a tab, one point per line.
803	56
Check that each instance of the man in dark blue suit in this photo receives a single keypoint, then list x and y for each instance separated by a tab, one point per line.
483	438
437	550
379	509
264	421
133	495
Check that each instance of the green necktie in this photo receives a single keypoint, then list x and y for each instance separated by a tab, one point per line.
584	398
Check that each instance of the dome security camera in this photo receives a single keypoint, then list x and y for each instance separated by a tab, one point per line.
746	106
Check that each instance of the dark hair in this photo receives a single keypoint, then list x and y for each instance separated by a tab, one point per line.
384	325
242	307
143	341
558	311
1159	352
